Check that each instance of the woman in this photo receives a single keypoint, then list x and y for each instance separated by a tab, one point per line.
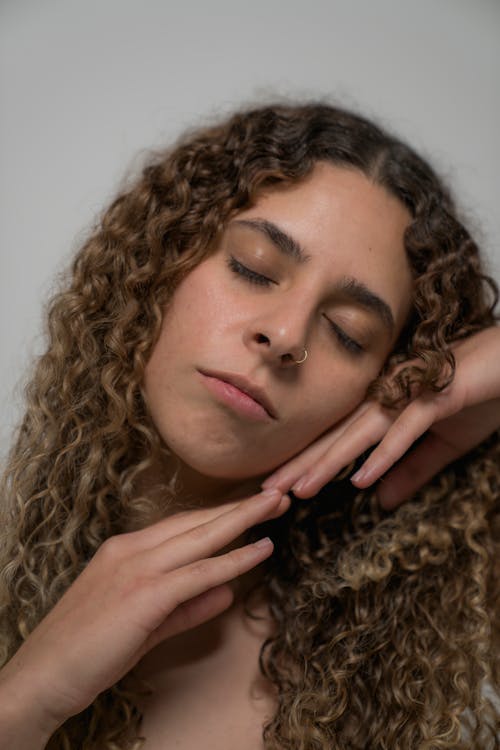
269	300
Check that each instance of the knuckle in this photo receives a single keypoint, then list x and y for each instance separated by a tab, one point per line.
197	533
384	454
400	431
111	549
234	562
201	568
226	566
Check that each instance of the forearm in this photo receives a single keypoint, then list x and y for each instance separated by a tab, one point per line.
21	725
18	734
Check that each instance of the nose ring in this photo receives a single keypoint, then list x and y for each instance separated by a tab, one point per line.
299	361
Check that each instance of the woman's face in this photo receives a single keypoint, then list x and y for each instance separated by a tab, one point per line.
345	302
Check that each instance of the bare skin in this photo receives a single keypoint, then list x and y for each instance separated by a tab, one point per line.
211	674
143	591
139	589
455	420
215	665
147	586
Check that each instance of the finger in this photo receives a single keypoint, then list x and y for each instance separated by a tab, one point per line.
360	436
193	579
288	474
186	520
208	538
416	418
194	612
295	468
177	523
418	467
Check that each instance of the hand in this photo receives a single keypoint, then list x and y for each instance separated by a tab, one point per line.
139	589
455	420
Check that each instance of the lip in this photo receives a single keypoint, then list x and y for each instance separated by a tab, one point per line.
246	386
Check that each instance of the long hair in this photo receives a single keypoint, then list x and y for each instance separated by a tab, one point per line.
387	625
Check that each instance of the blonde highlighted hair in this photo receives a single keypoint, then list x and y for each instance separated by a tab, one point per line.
387	624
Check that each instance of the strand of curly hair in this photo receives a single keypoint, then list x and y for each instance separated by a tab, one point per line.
388	625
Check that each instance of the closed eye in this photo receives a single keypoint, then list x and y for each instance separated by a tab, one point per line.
350	344
252	276
259	279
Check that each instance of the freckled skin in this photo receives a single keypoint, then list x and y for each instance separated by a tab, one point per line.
219	321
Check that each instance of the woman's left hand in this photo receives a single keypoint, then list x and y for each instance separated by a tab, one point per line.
456	420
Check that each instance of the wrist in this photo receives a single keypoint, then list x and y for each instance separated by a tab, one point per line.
24	725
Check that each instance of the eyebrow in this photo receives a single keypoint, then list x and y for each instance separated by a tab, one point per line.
351	287
364	296
278	237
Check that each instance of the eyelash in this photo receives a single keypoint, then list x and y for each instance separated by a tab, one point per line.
260	280
346	340
252	276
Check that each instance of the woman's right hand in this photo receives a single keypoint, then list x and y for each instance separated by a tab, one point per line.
454	421
139	589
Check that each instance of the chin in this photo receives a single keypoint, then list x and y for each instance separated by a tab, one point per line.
222	465
225	469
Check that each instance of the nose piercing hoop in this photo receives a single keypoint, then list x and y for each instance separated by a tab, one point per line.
299	361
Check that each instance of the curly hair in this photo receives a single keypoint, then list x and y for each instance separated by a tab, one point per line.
387	624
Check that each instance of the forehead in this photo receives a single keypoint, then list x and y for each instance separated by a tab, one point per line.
346	226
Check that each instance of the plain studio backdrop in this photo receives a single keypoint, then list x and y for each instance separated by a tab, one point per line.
88	85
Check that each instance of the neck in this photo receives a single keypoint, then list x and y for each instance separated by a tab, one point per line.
190	489
194	490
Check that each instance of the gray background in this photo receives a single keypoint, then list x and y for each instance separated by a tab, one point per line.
87	85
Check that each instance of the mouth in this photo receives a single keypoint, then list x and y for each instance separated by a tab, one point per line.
241	392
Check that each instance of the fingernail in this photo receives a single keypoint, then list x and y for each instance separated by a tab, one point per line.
358	476
265	542
300	484
365	474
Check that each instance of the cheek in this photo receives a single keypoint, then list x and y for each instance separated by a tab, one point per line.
202	312
191	316
313	415
336	395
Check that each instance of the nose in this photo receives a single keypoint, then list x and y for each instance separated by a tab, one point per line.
280	336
